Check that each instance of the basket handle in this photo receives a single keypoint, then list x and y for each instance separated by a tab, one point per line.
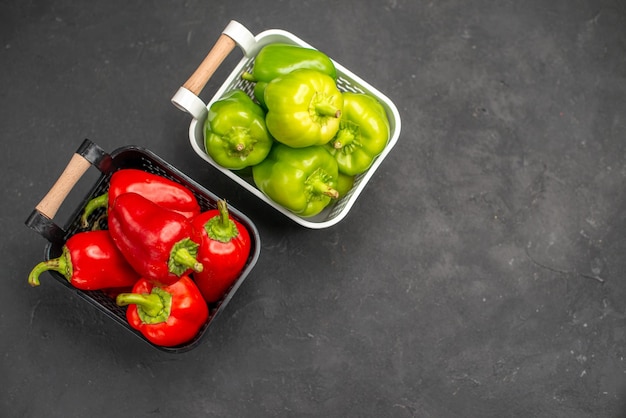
186	98
40	219
51	202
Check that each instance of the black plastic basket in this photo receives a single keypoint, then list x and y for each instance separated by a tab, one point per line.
89	154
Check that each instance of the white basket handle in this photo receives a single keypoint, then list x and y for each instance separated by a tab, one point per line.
186	98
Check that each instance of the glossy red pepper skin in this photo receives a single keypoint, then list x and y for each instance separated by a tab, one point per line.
156	188
160	244
90	260
223	252
167	316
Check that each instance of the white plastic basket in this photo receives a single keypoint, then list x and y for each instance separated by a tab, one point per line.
235	34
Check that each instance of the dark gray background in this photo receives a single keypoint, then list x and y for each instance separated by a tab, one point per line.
480	274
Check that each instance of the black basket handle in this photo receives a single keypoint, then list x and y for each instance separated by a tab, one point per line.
41	218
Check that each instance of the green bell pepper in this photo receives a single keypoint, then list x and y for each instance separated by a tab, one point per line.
303	108
363	133
303	180
235	134
275	60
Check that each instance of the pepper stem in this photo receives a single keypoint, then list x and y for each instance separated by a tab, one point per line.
152	308
239	141
343	138
319	183
323	188
96	203
220	227
326	109
62	264
183	257
248	77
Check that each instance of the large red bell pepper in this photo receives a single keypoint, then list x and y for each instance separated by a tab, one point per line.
156	188
89	261
167	316
160	244
223	252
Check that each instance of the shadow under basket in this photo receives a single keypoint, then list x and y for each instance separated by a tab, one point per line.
91	155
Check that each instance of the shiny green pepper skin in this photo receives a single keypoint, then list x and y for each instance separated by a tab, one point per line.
275	60
235	134
304	108
345	183
363	133
303	180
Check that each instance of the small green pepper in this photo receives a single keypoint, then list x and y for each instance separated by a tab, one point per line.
303	108
235	134
303	180
363	133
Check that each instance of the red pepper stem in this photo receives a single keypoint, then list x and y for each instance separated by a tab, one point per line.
62	264
220	227
183	257
152	308
94	204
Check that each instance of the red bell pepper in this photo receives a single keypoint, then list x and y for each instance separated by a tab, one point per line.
160	244
166	315
89	260
223	252
158	189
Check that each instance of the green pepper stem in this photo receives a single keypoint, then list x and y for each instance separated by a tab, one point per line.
323	188
97	202
327	109
220	227
343	138
62	264
248	77
240	140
